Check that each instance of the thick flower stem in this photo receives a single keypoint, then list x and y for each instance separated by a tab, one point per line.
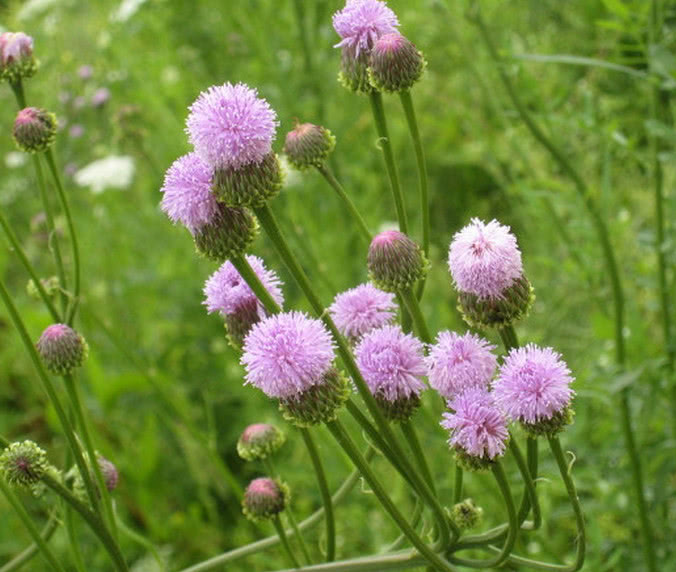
413	307
76	402
404	560
530	499
269	223
285	541
409	110
350	448
49	156
29	268
509	338
613	273
30	526
326	172
386	146
32	549
51	392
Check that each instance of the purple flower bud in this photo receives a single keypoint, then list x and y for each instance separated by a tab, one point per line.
395	64
109	473
23	464
259	441
264	499
62	349
34	129
16	56
359	310
308	146
395	262
533	387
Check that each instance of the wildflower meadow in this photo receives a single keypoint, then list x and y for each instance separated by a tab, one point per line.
337	286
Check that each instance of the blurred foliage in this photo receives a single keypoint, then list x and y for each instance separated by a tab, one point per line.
163	389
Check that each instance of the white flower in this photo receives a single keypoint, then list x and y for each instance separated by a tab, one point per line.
112	172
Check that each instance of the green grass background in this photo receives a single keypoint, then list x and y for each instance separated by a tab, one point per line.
164	390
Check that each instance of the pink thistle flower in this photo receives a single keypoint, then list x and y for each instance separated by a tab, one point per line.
187	193
392	363
287	354
484	259
15	46
227	292
359	310
361	22
478	428
230	126
457	363
533	384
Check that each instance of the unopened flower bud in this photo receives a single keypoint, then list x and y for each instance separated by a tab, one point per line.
23	464
250	185
259	441
354	73
16	56
264	499
466	514
109	473
229	233
34	129
395	262
62	349
395	64
308	146
50	285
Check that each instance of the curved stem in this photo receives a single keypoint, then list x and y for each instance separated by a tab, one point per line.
409	432
51	392
399	561
326	172
350	448
530	498
415	518
29	268
409	110
31	550
30	526
376	100
92	520
325	494
269	223
74	395
413	307
285	541
49	156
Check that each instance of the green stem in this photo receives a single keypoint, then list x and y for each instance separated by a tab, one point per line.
73	540
242	266
403	560
20	96
142	541
32	549
415	518
509	338
49	156
325	494
92	519
269	223
350	448
457	485
74	394
29	268
51	392
413	307
326	172
530	498
507	547
564	470
613	273
409	432
304	40
409	110
386	146
30	526
285	541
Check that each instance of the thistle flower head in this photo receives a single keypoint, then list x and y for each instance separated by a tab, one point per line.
230	126
16	56
395	64
227	292
264	499
62	349
187	196
361	309
308	145
394	261
484	259
23	464
229	232
478	428
34	129
287	354
361	22
533	385
259	441
456	363
392	363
